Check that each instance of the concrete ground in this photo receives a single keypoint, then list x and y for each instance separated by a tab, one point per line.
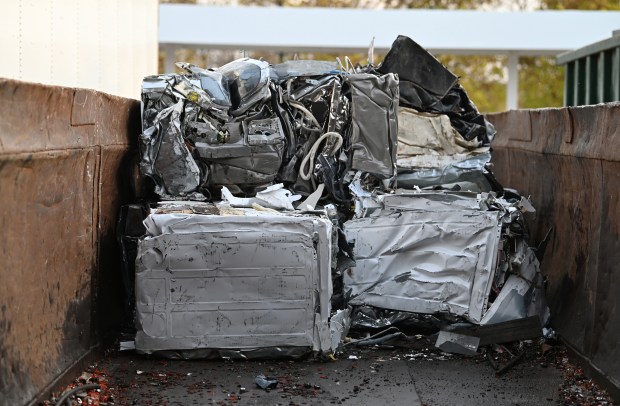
378	376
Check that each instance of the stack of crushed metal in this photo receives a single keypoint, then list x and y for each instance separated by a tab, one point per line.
300	199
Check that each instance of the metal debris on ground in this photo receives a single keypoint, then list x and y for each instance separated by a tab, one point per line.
304	199
375	374
457	343
265	382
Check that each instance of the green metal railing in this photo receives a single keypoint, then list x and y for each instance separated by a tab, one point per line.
592	73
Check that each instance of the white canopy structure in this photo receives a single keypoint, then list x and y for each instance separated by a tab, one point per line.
461	32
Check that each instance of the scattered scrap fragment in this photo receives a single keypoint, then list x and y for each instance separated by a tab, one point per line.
265	382
91	387
215	382
457	343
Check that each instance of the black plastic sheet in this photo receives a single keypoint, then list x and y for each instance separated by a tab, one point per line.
427	85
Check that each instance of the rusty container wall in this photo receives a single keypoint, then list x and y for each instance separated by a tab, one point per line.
63	174
568	160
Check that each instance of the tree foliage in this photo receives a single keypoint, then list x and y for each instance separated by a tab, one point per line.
541	82
482	76
581	4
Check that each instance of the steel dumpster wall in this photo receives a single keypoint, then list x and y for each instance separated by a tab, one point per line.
568	160
62	175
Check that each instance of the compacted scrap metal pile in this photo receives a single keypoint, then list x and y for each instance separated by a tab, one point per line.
301	199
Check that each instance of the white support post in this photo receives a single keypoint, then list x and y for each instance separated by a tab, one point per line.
169	59
512	87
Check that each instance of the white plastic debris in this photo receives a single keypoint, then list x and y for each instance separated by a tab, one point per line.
274	197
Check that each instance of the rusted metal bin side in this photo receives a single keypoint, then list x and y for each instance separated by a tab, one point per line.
62	152
568	159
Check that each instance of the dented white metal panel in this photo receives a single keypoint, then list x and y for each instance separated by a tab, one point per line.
425	260
522	295
435	201
234	282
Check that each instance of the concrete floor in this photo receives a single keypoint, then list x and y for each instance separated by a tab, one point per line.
378	376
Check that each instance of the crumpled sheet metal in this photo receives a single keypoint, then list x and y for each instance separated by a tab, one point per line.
428	140
427	85
432	154
375	318
522	295
374	125
339	325
427	201
166	158
424	261
211	128
248	83
470	174
367	317
233	282
448	341
262	134
369	205
298	68
398	260
248	125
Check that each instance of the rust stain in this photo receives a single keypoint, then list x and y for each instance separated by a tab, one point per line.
570	168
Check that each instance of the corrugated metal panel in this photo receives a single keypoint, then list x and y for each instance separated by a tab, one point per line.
98	44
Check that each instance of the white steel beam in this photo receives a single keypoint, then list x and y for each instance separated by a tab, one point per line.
512	87
298	29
